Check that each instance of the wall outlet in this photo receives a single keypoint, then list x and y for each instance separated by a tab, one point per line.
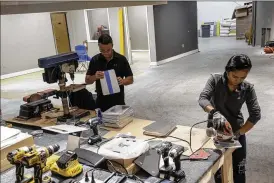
183	45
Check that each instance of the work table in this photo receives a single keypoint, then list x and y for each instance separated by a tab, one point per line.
195	171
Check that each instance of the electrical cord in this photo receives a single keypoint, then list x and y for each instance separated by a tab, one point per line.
180	139
92	174
99	146
190	135
191	132
151	139
111	164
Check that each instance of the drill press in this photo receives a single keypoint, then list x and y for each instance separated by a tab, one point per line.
56	67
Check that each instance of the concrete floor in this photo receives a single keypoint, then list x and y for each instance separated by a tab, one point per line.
170	92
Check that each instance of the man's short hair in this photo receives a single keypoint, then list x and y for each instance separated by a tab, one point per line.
105	39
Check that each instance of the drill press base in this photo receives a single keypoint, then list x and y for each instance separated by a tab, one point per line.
73	116
66	119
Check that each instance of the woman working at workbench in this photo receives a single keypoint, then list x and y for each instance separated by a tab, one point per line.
224	94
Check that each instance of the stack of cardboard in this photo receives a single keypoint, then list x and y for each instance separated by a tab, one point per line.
243	15
232	29
228	27
117	116
12	139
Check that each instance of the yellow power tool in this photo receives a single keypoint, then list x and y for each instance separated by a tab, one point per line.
37	159
67	165
15	158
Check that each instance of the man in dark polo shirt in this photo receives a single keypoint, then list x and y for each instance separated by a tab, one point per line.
108	59
223	96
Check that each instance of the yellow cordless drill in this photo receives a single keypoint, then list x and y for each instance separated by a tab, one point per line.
37	159
15	158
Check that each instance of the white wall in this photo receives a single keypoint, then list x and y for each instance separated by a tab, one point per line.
137	21
264	19
114	28
24	39
215	11
77	30
76	27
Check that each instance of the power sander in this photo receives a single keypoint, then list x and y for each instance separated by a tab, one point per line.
221	130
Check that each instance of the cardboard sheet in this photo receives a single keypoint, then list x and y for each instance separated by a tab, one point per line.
199	137
159	129
135	128
26	141
7	133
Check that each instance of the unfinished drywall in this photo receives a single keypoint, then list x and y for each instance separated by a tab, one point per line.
137	21
76	27
215	11
24	39
175	28
264	19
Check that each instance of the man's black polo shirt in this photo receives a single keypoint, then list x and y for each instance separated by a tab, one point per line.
122	69
217	94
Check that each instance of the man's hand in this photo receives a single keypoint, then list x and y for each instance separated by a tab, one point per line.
99	75
120	81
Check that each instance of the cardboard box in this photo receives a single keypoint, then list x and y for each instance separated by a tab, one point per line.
131	168
124	162
28	141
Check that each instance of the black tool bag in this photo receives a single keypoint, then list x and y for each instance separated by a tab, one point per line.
82	99
269	43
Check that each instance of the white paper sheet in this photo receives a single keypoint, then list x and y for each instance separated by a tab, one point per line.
109	83
64	129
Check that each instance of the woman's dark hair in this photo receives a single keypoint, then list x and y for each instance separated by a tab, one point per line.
105	39
238	62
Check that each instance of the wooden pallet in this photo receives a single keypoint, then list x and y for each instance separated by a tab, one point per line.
47	119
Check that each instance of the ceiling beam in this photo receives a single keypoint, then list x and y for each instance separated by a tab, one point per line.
22	7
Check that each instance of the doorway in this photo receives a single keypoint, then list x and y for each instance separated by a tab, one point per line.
138	36
60	32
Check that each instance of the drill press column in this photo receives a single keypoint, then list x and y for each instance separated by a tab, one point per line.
62	85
